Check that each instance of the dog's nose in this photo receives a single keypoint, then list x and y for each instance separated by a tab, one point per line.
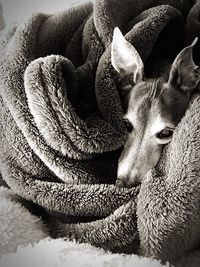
128	182
120	182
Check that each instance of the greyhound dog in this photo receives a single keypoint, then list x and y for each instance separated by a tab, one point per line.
154	106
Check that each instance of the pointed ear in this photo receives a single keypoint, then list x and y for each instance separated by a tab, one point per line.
184	74
124	57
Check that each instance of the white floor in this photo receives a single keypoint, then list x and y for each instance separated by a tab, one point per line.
15	10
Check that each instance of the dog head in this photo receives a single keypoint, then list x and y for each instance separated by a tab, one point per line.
153	106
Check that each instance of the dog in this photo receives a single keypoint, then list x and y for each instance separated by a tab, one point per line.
154	106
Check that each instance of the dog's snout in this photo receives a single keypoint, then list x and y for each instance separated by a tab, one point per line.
128	182
120	182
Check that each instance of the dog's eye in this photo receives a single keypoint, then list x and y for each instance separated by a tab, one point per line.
165	134
128	125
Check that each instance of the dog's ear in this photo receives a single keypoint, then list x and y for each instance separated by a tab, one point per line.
124	57
184	74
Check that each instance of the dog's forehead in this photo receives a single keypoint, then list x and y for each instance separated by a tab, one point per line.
153	98
150	90
142	100
140	91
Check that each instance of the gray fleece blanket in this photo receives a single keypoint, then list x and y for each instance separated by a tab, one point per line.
62	129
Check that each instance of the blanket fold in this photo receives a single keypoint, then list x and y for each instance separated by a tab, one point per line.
61	126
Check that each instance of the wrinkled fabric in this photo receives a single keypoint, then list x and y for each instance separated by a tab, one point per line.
61	127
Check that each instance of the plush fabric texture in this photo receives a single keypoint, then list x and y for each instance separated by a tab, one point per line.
61	127
49	253
24	241
2	22
18	227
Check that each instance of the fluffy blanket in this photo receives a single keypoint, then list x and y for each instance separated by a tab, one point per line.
25	242
61	127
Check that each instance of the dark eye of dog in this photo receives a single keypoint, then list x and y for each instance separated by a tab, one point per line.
128	125
165	134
